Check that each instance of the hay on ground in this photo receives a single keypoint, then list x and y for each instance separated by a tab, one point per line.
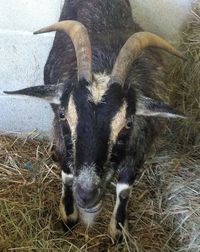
163	211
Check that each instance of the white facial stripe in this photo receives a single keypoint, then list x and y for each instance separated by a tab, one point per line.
71	115
72	118
118	122
99	86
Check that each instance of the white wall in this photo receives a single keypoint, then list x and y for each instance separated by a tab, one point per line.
23	55
164	17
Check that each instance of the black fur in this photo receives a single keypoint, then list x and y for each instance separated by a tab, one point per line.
121	211
68	200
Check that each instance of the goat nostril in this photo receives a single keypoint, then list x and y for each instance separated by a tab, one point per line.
87	196
81	192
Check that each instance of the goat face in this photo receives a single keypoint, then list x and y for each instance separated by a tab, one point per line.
92	128
91	124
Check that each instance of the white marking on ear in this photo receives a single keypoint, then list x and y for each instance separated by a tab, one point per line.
118	122
53	100
99	86
58	94
158	114
150	107
50	93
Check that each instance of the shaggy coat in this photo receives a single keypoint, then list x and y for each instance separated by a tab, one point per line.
102	128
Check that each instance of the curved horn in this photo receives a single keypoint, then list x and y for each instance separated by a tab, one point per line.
80	38
133	48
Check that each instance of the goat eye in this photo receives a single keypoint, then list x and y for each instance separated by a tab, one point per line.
62	114
129	124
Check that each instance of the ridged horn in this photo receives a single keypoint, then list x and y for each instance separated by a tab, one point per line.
80	39
132	49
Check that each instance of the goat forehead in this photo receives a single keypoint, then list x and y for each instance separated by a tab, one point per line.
99	86
96	91
117	121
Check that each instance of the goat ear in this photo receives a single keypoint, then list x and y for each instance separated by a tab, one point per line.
51	93
150	107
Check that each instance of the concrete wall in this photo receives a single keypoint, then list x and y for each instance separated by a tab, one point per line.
23	55
164	17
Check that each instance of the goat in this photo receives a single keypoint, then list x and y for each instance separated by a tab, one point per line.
99	79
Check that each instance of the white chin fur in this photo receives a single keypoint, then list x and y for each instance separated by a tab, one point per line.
88	218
